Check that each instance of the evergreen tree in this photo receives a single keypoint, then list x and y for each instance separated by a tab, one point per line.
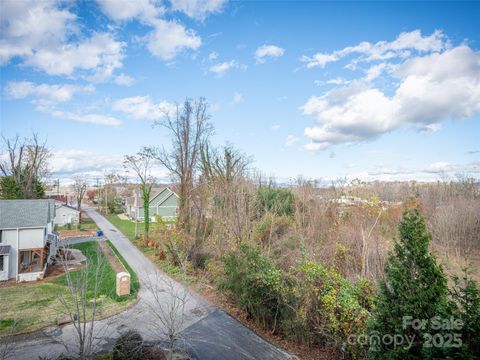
12	189
414	287
466	297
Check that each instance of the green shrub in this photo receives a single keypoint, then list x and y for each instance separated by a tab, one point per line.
466	299
278	201
329	307
129	346
311	304
257	283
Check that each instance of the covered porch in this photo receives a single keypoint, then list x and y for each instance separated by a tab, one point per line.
32	263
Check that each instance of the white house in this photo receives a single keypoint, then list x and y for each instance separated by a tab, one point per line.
65	214
27	241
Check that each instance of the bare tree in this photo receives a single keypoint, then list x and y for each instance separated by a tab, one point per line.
109	191
79	189
190	128
226	163
167	306
25	165
226	193
79	301
141	165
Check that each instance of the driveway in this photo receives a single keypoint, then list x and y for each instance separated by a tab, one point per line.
206	331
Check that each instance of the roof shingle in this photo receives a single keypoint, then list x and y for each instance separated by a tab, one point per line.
26	213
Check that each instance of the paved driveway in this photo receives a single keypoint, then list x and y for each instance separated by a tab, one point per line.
208	332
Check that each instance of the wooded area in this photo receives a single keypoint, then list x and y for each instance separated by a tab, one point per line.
312	262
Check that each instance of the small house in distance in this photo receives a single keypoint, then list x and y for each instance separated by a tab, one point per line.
163	203
27	241
65	214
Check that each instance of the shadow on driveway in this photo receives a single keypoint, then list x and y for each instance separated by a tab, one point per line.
218	336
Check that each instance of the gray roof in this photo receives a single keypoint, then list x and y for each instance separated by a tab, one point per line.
26	213
153	193
59	204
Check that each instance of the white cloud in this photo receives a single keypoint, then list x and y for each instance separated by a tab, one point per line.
376	70
142	107
45	36
237	98
98	119
265	51
212	56
275	127
198	9
73	162
431	88
101	54
431	128
291	140
429	172
335	81
438	166
124	80
312	146
45	94
169	38
221	68
124	10
29	25
68	163
401	47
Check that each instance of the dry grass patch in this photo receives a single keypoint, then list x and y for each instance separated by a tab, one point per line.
33	306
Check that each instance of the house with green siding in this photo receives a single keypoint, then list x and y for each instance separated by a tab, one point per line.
163	203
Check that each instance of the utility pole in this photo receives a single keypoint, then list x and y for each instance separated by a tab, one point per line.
97	192
105	193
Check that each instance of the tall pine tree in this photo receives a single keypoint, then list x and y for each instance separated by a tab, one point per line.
414	286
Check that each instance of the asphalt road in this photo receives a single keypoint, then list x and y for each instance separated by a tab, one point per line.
205	331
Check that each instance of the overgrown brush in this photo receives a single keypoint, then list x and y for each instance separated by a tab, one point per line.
310	303
257	283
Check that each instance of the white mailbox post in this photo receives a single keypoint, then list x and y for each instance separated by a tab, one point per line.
123	283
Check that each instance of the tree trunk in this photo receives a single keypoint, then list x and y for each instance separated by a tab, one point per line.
146	222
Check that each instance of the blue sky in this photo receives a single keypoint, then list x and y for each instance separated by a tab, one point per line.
376	90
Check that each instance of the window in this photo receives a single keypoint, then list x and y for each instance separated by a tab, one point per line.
0	236
1	262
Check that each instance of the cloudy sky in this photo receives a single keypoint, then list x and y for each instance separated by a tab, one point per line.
324	90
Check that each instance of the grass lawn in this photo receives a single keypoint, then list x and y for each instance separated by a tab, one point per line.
35	305
87	224
127	227
134	283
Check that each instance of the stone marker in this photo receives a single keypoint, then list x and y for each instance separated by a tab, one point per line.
123	283
65	319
